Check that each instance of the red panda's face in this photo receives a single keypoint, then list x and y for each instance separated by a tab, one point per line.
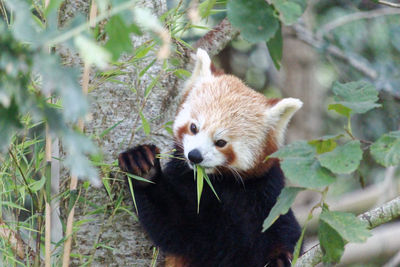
223	123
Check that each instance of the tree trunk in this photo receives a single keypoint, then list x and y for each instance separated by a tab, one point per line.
111	103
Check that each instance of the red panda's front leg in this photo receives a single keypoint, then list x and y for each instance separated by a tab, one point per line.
159	207
141	161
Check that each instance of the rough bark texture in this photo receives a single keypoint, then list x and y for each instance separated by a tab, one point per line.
113	103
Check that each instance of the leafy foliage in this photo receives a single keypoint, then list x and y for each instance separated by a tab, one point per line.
283	203
313	165
245	15
386	150
300	165
332	243
343	159
357	97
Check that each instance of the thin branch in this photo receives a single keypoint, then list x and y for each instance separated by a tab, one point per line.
15	241
74	179
387	3
217	39
383	214
309	38
394	261
354	17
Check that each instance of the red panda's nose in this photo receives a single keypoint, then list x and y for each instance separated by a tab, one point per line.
195	156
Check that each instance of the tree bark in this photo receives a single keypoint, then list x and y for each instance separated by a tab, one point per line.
113	103
374	218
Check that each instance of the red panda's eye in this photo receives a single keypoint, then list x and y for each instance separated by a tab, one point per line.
193	128
220	143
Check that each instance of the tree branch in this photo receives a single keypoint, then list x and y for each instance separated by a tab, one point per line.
354	17
308	37
217	39
387	3
383	214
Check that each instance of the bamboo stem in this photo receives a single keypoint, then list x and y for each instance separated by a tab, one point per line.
47	243
74	179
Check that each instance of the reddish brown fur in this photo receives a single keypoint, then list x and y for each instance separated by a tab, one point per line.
176	261
181	131
215	71
229	154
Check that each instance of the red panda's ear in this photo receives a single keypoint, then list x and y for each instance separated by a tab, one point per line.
278	116
202	68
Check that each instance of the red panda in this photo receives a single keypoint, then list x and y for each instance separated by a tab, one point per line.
229	130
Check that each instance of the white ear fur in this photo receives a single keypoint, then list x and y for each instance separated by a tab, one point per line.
279	115
203	64
202	68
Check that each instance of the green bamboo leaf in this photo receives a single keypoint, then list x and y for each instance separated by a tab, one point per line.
119	40
386	150
138	178
151	86
145	124
205	8
109	129
200	182
282	205
12	205
210	184
132	194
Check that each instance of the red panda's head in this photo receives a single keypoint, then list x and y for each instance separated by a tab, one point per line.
223	123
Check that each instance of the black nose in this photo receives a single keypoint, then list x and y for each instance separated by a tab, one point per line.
195	156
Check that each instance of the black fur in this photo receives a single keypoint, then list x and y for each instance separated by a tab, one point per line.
226	233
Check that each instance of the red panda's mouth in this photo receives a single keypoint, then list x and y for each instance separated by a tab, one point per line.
207	169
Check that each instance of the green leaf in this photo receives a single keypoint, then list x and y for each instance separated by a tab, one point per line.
210	184
300	165
325	144
206	7
339	108
109	129
200	175
347	225
359	97
138	178
151	86
200	182
289	10
118	37
282	205
275	46
344	159
145	124
332	244
386	150
91	52
142	51
255	19
182	73
9	122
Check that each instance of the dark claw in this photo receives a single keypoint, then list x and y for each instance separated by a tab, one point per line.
140	160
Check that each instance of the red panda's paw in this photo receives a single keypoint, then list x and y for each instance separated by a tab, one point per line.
140	161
